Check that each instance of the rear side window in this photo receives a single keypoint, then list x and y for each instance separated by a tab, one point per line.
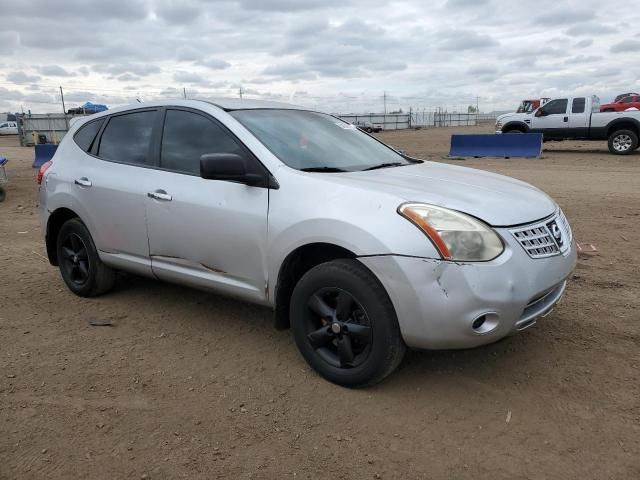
578	105
87	133
555	107
187	136
127	138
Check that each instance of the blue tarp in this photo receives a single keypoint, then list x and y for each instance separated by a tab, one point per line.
527	145
44	153
93	107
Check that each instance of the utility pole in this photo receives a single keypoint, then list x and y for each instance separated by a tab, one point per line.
240	92
477	101
184	92
384	96
64	110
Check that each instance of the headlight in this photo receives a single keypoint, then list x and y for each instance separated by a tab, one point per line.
456	236
498	125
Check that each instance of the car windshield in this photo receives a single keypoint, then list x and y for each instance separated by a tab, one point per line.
316	141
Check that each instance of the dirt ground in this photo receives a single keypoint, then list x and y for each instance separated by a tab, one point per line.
187	384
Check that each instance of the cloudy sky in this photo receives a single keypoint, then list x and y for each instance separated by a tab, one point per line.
335	55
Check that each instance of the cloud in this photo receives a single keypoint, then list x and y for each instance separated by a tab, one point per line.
466	3
297	70
127	77
590	29
8	42
587	42
466	40
214	64
288	5
182	12
565	15
343	53
139	69
626	46
189	77
22	78
54	71
72	10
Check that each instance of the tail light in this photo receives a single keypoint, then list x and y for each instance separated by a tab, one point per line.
43	168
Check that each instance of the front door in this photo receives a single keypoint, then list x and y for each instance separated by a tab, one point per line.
552	119
206	233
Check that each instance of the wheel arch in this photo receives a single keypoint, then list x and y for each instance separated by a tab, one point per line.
295	265
623	124
54	223
510	126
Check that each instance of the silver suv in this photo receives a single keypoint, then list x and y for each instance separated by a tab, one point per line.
360	250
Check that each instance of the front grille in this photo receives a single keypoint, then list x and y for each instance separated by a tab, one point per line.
546	238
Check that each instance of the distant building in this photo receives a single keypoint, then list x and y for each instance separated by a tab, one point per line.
7	117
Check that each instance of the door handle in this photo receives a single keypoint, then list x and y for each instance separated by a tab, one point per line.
83	182
566	119
160	195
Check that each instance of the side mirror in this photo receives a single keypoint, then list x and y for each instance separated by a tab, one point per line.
540	113
230	167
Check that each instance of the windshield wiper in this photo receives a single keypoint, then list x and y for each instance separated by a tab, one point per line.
323	169
385	165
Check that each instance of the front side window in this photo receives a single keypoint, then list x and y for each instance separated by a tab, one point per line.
578	105
556	107
127	138
311	140
187	136
87	133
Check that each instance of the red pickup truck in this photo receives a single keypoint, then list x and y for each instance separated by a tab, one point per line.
630	101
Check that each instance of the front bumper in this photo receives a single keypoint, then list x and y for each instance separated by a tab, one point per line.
437	302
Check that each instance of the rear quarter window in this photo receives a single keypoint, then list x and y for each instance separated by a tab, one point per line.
86	134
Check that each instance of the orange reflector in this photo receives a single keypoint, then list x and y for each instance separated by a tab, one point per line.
429	231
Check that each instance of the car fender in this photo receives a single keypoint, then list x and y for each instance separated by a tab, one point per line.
515	125
626	120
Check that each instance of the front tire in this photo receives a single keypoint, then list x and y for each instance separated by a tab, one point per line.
623	142
80	266
344	324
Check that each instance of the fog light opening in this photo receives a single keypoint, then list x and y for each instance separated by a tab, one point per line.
485	323
478	322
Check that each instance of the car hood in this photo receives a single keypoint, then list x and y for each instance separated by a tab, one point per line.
496	199
510	116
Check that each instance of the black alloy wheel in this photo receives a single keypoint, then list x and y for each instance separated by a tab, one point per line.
345	325
79	262
74	259
338	329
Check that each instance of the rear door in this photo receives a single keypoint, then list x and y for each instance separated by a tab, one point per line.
205	233
552	119
579	118
110	186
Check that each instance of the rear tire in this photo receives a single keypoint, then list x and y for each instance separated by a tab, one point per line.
623	142
3	194
344	324
515	131
80	266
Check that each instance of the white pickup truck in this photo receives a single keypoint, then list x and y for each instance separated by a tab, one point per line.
577	118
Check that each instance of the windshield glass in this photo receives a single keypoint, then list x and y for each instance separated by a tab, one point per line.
310	140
